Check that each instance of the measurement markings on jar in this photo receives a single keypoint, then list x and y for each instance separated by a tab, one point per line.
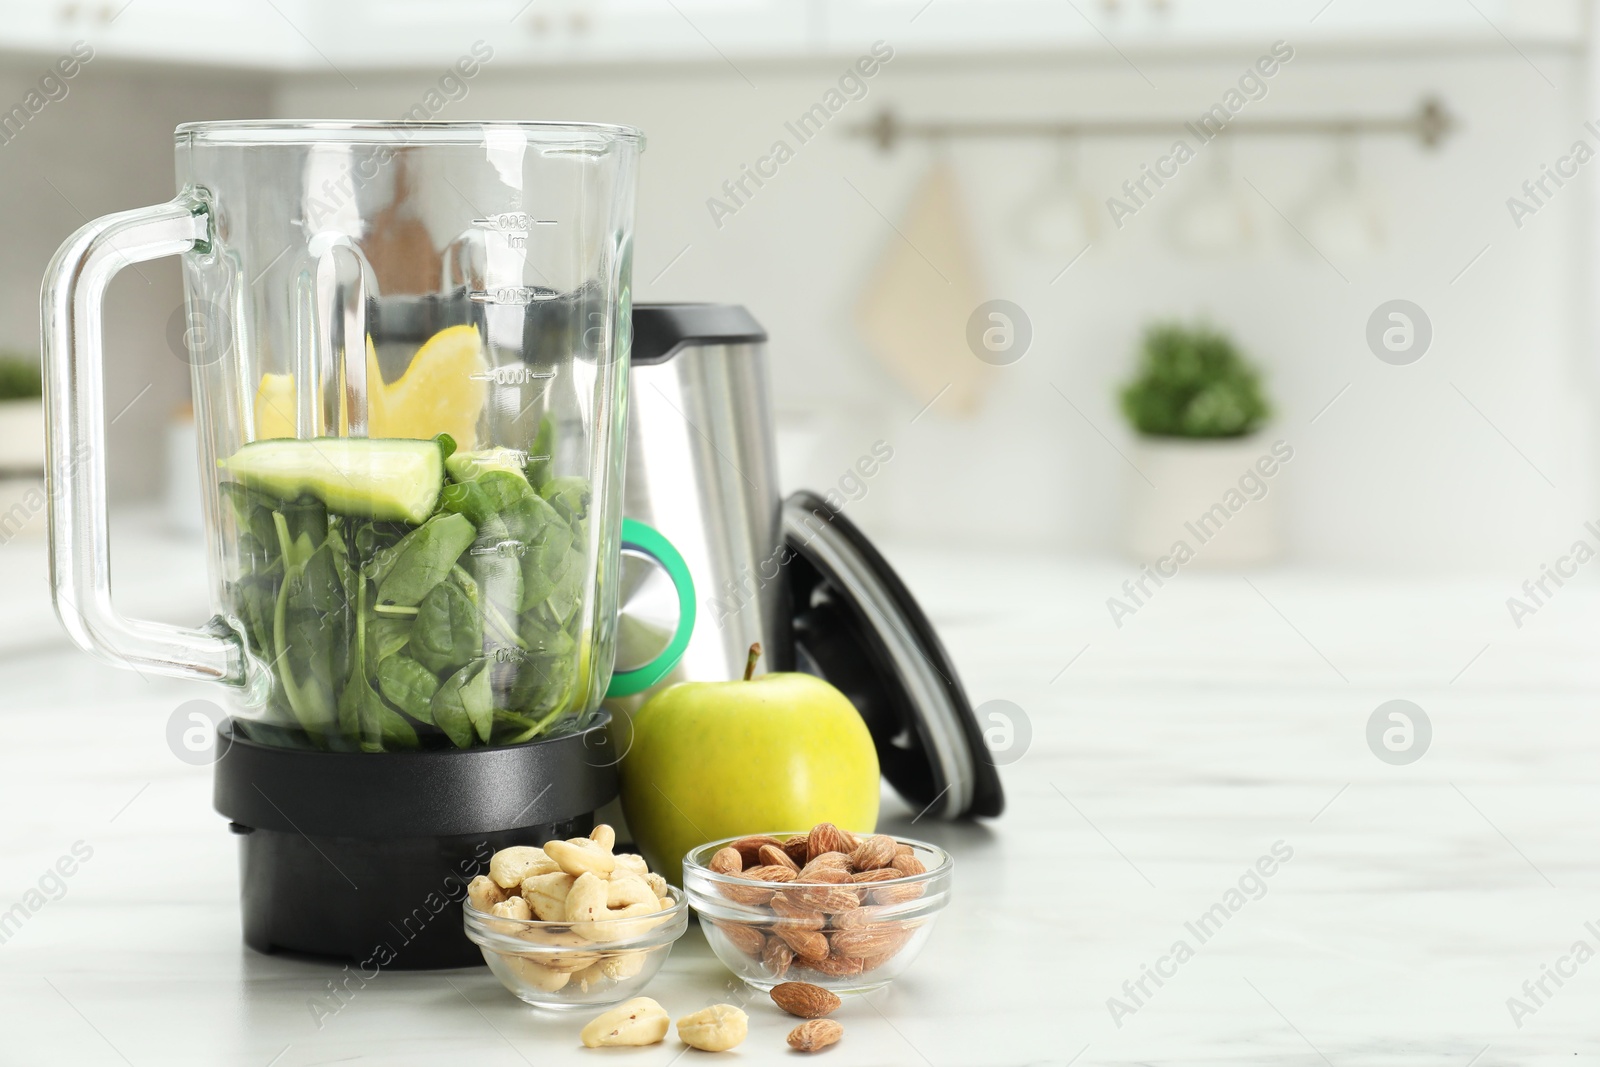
519	375
509	549
513	226
515	295
511	220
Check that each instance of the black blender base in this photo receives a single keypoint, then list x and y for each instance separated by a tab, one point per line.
393	904
365	857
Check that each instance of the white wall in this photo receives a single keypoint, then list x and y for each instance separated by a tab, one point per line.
107	146
1400	473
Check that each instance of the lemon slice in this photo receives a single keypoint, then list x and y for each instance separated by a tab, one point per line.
443	391
275	406
276	402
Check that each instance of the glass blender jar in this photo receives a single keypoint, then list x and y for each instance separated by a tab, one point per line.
409	347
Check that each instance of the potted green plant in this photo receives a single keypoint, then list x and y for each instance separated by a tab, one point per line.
21	415
1199	407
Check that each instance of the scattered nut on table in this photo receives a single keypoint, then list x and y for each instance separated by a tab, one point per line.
640	1021
815	1035
714	1029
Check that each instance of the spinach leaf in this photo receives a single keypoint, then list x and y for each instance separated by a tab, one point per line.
364	715
409	686
469	499
539	455
386	637
305	661
422	559
464	704
448	632
570	496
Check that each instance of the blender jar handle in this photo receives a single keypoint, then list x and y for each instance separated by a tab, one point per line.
80	569
646	539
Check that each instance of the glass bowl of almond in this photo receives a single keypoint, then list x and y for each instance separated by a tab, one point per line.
843	911
573	924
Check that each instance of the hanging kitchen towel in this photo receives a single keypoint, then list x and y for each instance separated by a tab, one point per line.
914	310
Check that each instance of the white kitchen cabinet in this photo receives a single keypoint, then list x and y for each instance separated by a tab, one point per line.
288	36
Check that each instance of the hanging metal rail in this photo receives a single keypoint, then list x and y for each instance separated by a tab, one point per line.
1430	123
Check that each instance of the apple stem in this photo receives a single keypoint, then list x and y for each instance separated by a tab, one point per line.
750	664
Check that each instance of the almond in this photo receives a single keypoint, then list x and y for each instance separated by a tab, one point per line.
897	893
726	861
748	894
798	849
817	888
815	1035
909	865
904	850
872	963
746	939
776	957
807	944
837	966
877	940
840	899
775	856
826	837
795	914
756	894
748	847
882	874
836	861
804	999
851	920
873	852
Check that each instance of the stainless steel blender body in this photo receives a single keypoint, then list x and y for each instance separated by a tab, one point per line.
702	470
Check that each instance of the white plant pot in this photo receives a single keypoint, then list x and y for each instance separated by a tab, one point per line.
1217	497
21	436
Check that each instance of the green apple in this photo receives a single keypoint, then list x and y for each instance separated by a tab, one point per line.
723	759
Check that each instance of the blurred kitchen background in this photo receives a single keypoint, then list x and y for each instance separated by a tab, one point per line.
1478	457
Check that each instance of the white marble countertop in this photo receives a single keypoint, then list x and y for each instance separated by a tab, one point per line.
1226	717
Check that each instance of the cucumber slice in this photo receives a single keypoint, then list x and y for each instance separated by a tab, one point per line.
466	466
380	478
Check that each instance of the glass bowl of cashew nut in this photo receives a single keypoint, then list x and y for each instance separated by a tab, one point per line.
573	925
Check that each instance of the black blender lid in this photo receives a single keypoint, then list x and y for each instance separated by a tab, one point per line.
660	330
859	625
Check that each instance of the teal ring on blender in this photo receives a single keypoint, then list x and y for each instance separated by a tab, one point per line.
646	539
